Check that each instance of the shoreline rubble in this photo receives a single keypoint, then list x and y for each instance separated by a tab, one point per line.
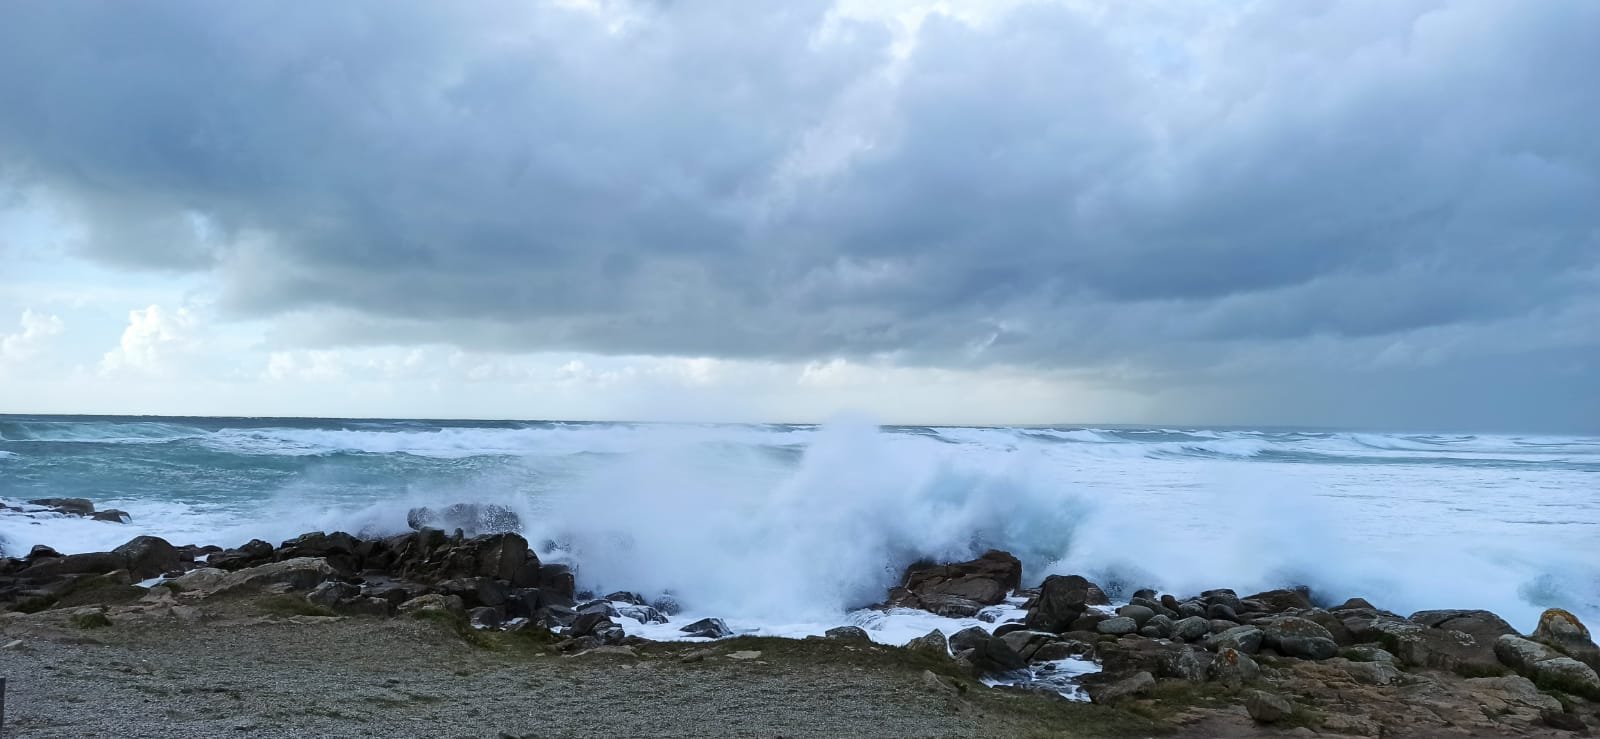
1279	656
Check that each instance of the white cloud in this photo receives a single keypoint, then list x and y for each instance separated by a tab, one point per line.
29	341
153	339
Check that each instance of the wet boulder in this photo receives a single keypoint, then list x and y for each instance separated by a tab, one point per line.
959	589
66	506
1279	601
149	556
1061	601
710	628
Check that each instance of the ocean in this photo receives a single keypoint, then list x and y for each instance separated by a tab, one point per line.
790	529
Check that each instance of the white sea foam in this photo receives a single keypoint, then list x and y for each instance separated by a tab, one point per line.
735	522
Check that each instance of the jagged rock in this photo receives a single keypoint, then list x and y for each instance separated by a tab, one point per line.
1563	631
332	593
1118	626
852	633
1444	647
1268	708
1062	599
1522	654
1233	668
993	657
1025	643
40	551
556	580
933	642
1293	636
1355	604
251	554
554	615
960	589
111	515
149	556
969	637
642	614
711	628
588	623
623	596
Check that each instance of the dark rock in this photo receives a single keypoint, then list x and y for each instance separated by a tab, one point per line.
1007	628
1169	602
587	623
1139	614
711	628
1415	644
1088	621
969	637
94	563
1278	601
666	604
486	617
1191	629
994	657
932	642
852	633
1134	685
1062	599
1563	721
332	593
642	614
553	615
1221	612
40	551
1192	610
1063	649
1221	596
949	606
111	515
961	589
1355	604
69	506
598	606
1158	626
1025	643
556	580
1268	708
149	556
623	596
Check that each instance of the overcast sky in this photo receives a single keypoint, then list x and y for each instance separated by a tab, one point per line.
1378	214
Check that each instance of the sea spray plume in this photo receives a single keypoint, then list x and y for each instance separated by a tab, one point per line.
756	538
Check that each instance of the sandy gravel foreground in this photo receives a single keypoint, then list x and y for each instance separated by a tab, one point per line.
244	674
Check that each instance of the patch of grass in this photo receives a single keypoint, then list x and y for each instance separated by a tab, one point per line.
457	624
35	603
285	604
95	620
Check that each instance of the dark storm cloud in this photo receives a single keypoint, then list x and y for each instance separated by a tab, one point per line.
1122	188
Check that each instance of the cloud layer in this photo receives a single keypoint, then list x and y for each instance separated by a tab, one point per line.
1352	193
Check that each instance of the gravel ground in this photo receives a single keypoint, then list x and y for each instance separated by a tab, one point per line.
238	673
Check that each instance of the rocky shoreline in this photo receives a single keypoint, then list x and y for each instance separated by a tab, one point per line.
1280	660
